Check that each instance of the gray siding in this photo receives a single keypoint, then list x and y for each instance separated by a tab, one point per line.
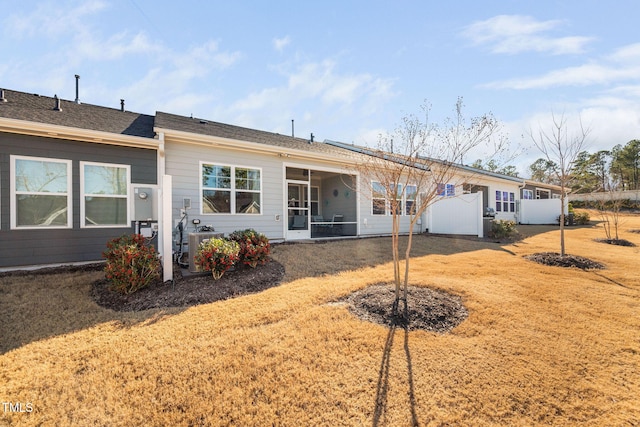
183	163
32	247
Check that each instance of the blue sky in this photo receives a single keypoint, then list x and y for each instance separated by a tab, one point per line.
344	70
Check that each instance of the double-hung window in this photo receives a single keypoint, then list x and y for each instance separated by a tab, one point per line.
104	190
230	189
40	192
505	201
410	199
404	201
446	190
378	199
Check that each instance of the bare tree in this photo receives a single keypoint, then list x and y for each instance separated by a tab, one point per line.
411	169
561	146
609	206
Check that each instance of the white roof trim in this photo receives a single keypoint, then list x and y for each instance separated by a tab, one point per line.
242	145
25	127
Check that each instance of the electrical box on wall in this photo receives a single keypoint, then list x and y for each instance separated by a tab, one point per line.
143	204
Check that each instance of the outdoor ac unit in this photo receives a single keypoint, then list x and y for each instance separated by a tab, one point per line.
194	241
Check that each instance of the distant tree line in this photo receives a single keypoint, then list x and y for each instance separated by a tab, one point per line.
493	166
604	170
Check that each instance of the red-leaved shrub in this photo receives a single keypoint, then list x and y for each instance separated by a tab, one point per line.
131	263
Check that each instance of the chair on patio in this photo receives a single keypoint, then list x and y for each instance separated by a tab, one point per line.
335	228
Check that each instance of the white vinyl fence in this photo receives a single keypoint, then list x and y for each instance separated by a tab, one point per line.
541	211
457	215
616	195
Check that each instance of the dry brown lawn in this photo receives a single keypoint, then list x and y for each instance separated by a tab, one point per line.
541	346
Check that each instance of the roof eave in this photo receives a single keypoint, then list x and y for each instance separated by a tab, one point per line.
242	145
25	127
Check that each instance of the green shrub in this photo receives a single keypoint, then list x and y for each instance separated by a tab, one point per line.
131	263
217	256
254	246
503	228
581	218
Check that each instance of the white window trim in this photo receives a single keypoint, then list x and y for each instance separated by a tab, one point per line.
527	191
13	193
508	201
448	190
83	223
540	190
387	203
232	190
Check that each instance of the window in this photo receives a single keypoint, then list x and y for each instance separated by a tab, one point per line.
543	194
104	190
397	203
527	194
505	201
404	201
446	190
379	199
230	189
40	193
410	199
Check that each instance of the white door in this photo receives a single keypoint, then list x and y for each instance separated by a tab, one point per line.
298	225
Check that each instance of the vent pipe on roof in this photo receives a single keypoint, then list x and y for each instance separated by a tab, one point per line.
77	90
292	130
122	105
2	98
311	140
57	107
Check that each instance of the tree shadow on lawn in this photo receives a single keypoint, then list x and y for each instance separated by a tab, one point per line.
52	302
382	387
36	306
326	257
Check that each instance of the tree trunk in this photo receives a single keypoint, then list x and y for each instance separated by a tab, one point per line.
562	202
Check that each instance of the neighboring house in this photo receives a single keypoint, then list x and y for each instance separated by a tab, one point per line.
68	172
229	178
470	196
533	190
540	203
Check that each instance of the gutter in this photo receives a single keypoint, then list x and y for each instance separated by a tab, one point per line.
171	135
24	127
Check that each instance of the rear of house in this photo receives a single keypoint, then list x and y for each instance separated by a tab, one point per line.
68	173
73	176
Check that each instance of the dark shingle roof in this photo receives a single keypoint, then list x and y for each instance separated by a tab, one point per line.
40	109
222	130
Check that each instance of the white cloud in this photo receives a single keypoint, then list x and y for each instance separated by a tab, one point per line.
51	20
511	34
583	75
114	48
609	119
280	44
627	54
314	94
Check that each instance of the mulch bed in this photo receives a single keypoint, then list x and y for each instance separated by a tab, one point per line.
427	309
556	260
618	242
192	290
